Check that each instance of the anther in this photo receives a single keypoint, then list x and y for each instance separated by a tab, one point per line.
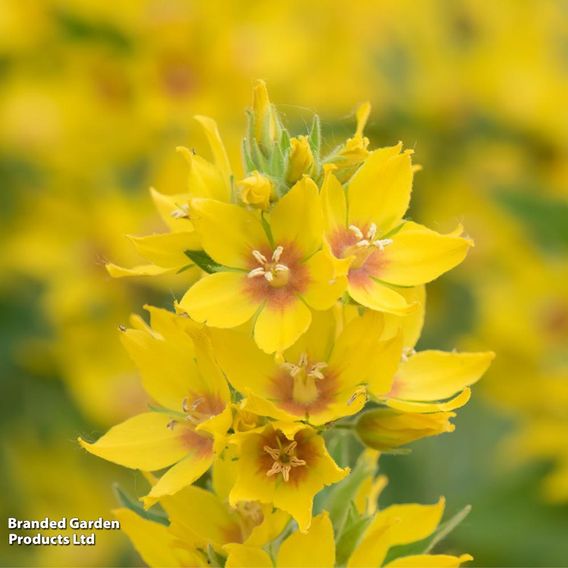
356	231
259	257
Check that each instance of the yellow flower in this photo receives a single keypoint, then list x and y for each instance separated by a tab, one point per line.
275	275
382	252
256	190
322	377
301	159
394	526
203	518
179	374
285	465
166	251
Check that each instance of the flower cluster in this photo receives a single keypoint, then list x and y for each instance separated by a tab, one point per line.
294	343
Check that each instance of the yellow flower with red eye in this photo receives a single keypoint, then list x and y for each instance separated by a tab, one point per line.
324	376
284	465
380	251
273	271
178	372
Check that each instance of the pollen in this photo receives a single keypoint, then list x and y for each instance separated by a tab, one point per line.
369	239
284	460
273	271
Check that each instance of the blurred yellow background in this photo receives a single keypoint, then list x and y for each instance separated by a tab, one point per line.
94	98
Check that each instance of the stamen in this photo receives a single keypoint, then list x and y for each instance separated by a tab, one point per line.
284	461
182	212
372	231
407	352
277	253
259	257
256	272
269	276
280	268
382	243
359	392
356	231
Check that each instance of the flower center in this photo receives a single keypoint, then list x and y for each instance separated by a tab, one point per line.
305	375
195	413
274	272
365	245
284	459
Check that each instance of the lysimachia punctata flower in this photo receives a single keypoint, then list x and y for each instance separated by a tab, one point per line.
323	377
179	374
364	225
286	465
292	350
275	271
166	251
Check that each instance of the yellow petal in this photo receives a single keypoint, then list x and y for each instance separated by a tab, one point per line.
229	233
298	499
184	473
244	364
167	249
141	442
242	556
173	366
393	526
334	204
217	148
278	327
437	375
219	300
168	206
272	525
378	296
360	357
418	255
325	286
314	549
297	218
141	270
429	561
410	406
152	541
203	515
412	323
380	190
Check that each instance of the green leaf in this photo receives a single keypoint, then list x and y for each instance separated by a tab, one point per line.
204	261
129	503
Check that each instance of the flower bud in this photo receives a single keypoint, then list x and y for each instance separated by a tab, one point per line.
301	159
255	190
267	128
384	428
